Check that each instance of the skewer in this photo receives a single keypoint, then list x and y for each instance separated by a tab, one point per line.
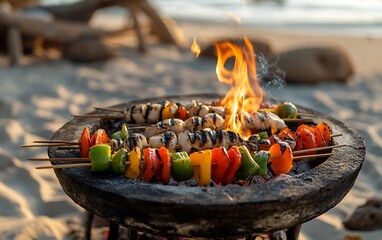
306	114
298	120
336	135
55	141
70	145
319	148
59	159
313	156
106	116
109	109
75	165
49	145
88	159
116	116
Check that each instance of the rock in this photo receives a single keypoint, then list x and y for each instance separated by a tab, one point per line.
87	50
315	64
366	217
258	45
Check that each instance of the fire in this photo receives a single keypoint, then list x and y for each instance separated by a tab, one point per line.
245	94
195	48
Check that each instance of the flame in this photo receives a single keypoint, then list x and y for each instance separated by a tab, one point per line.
245	94
195	48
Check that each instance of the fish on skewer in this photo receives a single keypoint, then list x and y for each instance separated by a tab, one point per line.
256	121
261	121
184	141
153	113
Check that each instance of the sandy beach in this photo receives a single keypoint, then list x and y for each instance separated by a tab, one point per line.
37	98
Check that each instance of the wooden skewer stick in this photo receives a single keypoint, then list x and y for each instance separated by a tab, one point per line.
319	148
298	120
313	156
336	135
57	141
74	165
77	165
60	159
109	109
46	145
68	147
306	114
109	116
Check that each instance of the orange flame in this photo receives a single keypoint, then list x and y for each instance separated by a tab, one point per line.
195	48
245	94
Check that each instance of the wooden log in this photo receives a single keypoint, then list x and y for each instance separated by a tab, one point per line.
134	10
81	11
162	30
61	31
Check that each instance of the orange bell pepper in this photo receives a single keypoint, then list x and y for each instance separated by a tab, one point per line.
169	111
281	158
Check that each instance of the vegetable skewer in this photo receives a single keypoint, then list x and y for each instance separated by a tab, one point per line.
203	163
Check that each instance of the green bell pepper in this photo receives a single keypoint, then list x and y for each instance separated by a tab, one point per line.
261	158
121	134
100	157
118	162
248	166
181	166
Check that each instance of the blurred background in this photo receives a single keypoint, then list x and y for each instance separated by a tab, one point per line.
65	57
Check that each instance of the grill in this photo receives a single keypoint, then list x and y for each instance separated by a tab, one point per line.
213	212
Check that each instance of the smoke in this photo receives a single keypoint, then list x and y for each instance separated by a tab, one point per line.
269	75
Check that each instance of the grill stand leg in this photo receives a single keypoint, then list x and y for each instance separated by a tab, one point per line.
88	225
132	234
287	234
113	231
293	232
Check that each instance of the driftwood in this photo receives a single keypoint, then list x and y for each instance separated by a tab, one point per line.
70	24
366	217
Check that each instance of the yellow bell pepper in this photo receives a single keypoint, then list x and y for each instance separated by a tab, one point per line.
202	166
133	171
169	111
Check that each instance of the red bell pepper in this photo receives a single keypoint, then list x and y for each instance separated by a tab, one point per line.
99	137
326	131
235	157
152	163
220	163
183	113
84	142
165	160
308	138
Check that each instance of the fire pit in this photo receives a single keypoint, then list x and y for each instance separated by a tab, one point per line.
213	212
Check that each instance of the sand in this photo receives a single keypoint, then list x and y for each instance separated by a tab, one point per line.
37	98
